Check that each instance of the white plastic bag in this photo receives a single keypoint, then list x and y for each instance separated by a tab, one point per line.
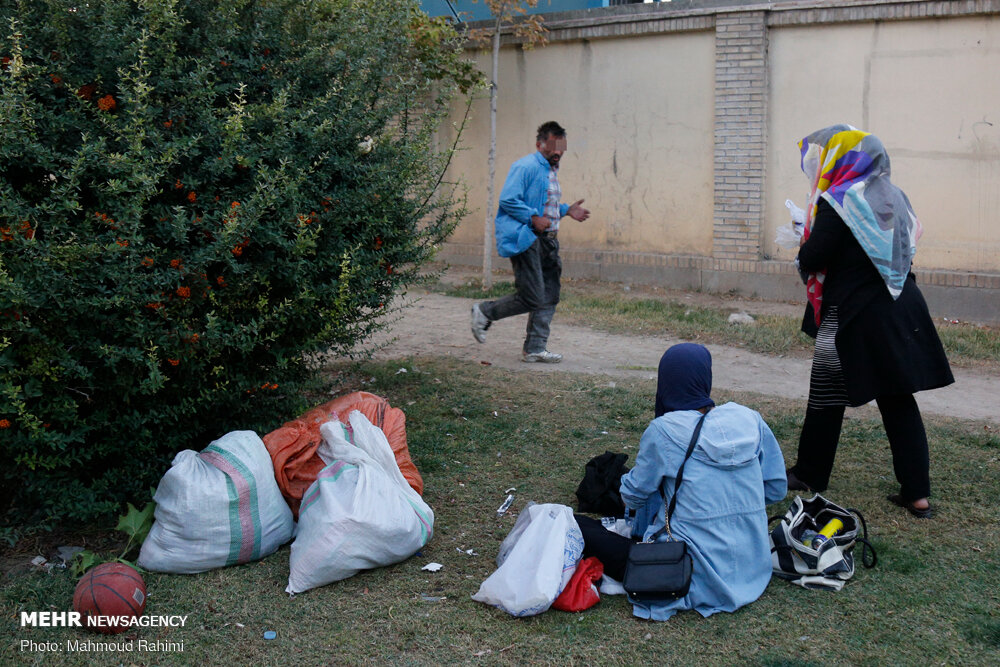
798	215
360	513
216	508
788	236
536	561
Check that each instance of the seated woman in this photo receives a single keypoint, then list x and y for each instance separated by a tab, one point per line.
735	469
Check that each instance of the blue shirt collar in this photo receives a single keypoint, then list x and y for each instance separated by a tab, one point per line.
545	163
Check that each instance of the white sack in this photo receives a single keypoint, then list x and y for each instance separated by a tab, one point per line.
535	562
220	507
360	513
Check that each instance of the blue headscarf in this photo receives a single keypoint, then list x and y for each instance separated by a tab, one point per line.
685	379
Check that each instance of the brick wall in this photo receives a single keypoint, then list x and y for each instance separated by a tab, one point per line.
740	127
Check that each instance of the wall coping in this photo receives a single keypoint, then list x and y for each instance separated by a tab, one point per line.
676	17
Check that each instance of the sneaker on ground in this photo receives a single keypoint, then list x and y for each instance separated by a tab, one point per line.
480	323
544	357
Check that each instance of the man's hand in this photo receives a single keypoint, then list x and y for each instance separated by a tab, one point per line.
578	212
540	223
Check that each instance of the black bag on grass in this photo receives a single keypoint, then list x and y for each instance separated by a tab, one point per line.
602	477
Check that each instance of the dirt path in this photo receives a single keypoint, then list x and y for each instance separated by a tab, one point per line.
439	325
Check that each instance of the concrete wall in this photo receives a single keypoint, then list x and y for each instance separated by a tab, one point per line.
639	138
683	123
929	89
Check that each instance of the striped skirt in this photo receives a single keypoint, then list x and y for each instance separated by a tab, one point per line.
826	381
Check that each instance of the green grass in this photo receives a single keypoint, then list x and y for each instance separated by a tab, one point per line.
475	431
770	334
968	343
599	306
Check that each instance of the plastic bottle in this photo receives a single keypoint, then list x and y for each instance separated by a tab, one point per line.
831	528
808	536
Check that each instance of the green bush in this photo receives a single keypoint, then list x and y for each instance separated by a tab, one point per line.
197	198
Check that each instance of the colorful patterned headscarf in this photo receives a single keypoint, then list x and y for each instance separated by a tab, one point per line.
850	170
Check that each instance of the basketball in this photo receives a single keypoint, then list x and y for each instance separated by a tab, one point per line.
109	590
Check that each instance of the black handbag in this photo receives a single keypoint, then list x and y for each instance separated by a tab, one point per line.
661	571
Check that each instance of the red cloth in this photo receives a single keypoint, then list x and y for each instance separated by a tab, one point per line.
581	592
293	446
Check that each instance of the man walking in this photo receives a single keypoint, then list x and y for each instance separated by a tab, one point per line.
526	227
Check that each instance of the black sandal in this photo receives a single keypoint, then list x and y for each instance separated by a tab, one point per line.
925	513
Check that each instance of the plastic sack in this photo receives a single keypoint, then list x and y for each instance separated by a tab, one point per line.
789	236
581	591
798	215
293	447
220	507
360	513
536	561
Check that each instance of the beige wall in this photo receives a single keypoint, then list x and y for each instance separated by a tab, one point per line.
930	89
638	114
638	98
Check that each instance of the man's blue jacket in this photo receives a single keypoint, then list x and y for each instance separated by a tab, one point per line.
524	194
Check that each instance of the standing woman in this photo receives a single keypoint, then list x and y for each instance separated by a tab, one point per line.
874	336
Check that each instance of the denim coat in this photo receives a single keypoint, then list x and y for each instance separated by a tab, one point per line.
735	470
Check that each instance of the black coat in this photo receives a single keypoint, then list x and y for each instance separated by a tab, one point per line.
885	346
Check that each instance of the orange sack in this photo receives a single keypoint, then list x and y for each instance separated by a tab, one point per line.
293	446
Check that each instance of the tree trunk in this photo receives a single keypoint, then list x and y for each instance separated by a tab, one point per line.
490	213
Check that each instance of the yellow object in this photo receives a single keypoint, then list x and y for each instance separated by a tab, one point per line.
832	528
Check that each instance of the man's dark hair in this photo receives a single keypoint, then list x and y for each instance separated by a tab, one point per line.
550	129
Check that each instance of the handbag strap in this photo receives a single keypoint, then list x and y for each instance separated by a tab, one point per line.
868	556
680	478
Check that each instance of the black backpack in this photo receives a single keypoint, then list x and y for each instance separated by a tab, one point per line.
598	492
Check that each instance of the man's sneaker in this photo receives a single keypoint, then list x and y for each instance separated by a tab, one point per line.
480	323
544	356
